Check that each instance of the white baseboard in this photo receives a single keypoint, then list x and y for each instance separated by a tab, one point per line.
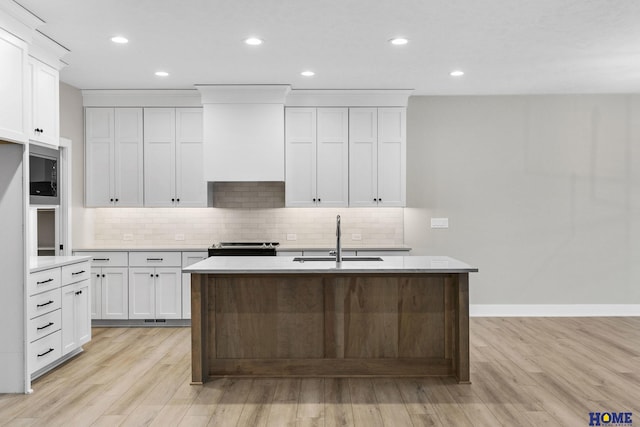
553	310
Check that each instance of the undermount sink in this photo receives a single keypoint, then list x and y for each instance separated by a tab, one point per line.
332	258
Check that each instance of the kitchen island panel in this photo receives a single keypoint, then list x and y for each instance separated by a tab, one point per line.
330	325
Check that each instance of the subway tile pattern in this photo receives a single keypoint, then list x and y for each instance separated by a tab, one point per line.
200	227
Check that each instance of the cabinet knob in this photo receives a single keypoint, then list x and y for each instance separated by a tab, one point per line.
173	200
117	200
319	200
157	275
177	200
104	275
379	199
314	199
111	200
151	275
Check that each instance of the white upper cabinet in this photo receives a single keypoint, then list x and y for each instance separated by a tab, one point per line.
317	157
332	154
114	155
377	163
300	148
159	156
14	88
45	104
191	188
173	162
392	157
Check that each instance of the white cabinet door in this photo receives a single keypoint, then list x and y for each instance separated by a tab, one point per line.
142	293
168	293
363	157
191	188
96	293
14	88
300	138
189	258
45	105
159	156
99	157
332	157
128	160
392	156
82	312
69	341
115	293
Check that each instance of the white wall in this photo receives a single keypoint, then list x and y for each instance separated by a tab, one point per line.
542	194
72	127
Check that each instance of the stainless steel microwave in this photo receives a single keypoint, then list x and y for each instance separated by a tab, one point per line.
43	176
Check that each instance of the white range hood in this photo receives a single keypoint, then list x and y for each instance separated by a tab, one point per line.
243	132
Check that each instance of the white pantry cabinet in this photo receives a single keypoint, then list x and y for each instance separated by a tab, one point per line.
317	157
377	157
173	166
113	157
45	104
14	88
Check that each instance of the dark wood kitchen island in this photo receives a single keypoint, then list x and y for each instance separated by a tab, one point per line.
272	316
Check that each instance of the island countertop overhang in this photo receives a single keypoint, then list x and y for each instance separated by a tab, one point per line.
286	265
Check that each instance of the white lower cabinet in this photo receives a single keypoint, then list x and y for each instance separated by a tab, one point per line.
155	293
76	317
109	284
189	258
58	308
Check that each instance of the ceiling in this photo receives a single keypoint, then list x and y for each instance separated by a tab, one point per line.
503	46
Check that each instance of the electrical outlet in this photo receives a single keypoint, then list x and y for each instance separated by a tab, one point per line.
127	236
292	236
439	222
179	236
356	236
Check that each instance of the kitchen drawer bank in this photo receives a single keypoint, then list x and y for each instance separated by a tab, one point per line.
141	287
59	321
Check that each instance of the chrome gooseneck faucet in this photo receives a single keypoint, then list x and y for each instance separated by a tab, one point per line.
338	244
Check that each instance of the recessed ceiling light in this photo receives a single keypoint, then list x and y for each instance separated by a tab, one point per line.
456	73
119	40
162	73
308	73
253	41
399	41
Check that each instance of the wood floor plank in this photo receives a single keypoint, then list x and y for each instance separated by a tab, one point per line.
366	412
525	372
338	411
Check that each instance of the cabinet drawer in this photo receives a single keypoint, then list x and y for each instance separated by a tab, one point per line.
106	259
75	272
155	259
44	325
45	351
44	303
44	280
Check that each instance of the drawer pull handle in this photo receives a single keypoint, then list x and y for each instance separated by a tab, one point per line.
45	281
46	303
155	259
46	352
78	272
101	259
45	326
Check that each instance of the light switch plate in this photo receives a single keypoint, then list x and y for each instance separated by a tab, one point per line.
439	222
179	236
127	236
356	236
292	236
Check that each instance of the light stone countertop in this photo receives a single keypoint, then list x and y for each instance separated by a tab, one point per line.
286	265
39	263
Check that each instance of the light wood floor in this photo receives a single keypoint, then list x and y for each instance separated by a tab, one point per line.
525	372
